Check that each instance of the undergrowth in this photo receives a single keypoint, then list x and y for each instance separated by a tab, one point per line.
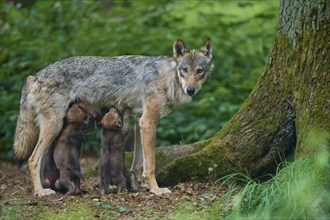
299	190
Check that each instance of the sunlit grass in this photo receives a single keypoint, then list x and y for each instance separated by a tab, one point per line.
300	190
76	210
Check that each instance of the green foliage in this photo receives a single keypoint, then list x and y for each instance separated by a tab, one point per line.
242	32
77	210
117	208
300	190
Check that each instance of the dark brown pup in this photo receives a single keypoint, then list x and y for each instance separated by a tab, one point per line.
62	167
112	167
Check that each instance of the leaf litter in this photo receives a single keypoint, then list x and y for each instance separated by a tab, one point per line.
17	200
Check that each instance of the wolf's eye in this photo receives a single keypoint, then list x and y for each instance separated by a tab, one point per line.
200	71
185	69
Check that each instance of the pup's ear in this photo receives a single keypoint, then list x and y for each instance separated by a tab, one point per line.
179	49
206	49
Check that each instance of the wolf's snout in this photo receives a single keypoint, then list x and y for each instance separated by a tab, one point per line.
191	90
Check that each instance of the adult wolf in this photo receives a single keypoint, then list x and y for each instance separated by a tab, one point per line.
150	86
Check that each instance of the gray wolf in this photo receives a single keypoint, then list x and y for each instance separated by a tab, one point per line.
151	86
66	152
112	162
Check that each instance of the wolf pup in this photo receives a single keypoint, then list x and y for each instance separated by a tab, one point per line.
51	174
67	150
112	162
150	86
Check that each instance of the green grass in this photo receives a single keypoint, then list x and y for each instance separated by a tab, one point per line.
76	210
300	190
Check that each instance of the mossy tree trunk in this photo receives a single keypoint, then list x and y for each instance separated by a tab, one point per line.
290	100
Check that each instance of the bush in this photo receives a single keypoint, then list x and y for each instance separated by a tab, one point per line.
35	36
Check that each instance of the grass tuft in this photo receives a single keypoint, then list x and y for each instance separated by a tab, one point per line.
299	190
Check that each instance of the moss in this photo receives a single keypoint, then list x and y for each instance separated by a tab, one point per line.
160	159
312	86
247	104
181	169
193	166
309	83
234	127
200	145
316	140
77	210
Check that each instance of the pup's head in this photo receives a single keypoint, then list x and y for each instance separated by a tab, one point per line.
111	120
193	66
75	114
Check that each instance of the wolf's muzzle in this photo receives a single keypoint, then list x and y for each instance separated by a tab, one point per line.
191	90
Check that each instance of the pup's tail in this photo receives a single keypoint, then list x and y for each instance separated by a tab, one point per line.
26	134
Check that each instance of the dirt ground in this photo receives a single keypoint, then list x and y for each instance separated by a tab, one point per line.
17	200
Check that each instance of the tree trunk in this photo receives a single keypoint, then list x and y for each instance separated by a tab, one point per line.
290	100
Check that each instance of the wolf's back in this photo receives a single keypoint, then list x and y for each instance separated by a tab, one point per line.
26	133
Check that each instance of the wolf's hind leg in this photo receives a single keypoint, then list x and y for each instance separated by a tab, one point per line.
49	129
104	170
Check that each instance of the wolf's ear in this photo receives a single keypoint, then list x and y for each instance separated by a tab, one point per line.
206	49
179	49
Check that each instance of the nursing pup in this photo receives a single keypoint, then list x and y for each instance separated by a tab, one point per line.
112	162
62	167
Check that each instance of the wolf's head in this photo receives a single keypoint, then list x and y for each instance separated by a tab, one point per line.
193	66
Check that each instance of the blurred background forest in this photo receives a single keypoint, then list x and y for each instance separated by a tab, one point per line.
36	33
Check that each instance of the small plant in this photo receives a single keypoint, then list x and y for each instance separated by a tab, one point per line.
117	208
211	169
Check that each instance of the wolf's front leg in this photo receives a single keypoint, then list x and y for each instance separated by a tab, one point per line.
137	159
148	124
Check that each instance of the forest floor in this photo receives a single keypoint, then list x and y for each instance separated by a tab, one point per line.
17	200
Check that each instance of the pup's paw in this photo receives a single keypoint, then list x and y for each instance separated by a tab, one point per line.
44	192
160	191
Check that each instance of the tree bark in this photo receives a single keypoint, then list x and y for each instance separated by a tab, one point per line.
290	100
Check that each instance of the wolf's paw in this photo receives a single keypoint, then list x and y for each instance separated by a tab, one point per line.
44	192
160	191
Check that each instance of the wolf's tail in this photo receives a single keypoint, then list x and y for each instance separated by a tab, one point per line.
26	134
